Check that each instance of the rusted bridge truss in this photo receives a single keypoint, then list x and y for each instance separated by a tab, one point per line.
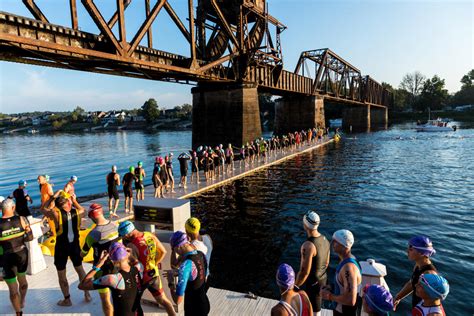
228	41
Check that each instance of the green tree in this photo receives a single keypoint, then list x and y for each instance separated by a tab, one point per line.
150	111
466	94
433	95
413	84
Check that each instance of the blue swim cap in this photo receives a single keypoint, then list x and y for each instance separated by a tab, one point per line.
117	251
435	286
74	178
285	276
178	239
140	163
22	183
378	299
423	245
125	228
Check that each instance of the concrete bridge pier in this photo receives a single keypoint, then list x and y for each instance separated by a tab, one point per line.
356	118
378	117
225	114
295	113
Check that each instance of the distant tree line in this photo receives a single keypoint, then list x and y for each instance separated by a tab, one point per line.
418	93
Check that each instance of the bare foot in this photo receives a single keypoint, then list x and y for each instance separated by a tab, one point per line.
65	302
87	296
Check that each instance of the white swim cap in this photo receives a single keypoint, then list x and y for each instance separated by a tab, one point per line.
311	220
344	237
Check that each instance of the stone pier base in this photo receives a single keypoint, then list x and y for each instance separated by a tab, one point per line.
356	118
378	117
295	113
225	114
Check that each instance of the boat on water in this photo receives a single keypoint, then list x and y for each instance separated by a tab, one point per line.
438	125
33	131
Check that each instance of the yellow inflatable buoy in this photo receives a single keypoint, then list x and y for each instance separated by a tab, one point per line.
47	246
337	137
45	250
82	240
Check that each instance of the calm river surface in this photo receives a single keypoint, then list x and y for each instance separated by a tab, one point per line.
385	187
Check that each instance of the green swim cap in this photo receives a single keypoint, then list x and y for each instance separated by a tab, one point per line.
131	168
140	163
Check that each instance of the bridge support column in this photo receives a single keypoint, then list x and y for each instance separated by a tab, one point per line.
378	117
225	114
294	113
356	118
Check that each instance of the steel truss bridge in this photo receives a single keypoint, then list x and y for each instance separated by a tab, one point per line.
228	42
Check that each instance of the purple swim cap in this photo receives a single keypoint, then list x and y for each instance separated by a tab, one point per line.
178	239
378	299
117	251
423	245
285	276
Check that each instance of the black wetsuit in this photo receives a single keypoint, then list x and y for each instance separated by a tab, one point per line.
318	272
196	302
66	247
15	253
156	175
126	302
164	175
127	184
21	203
194	164
139	179
112	186
417	272
183	165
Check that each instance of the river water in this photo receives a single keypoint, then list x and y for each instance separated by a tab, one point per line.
385	187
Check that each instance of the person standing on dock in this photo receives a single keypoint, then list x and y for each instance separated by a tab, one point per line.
420	249
291	302
67	215
69	187
13	229
315	252
99	239
169	169
113	180
127	182
376	300
432	289
150	252
139	178
191	285
22	198
202	243
124	282
156	179
195	167
348	276
183	168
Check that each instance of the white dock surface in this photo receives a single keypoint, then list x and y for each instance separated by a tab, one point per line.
44	292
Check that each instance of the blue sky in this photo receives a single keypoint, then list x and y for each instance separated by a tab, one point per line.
383	38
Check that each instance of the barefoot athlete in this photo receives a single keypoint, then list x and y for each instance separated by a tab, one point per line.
113	180
139	178
13	229
67	215
99	239
127	182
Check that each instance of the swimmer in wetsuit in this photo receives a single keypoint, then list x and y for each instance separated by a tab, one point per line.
13	229
183	168
127	182
113	180
124	282
139	178
22	198
156	179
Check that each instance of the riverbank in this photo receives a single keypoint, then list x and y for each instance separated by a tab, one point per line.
400	117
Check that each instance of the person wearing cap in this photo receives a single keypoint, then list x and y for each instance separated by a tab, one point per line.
194	167
432	289
67	214
69	187
156	179
169	170
191	286
139	179
291	302
22	198
376	300
99	239
183	168
127	182
420	249
348	275
202	243
113	180
315	252
146	247
124	282
46	191
13	229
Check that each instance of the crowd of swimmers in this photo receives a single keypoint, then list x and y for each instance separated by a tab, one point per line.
126	263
